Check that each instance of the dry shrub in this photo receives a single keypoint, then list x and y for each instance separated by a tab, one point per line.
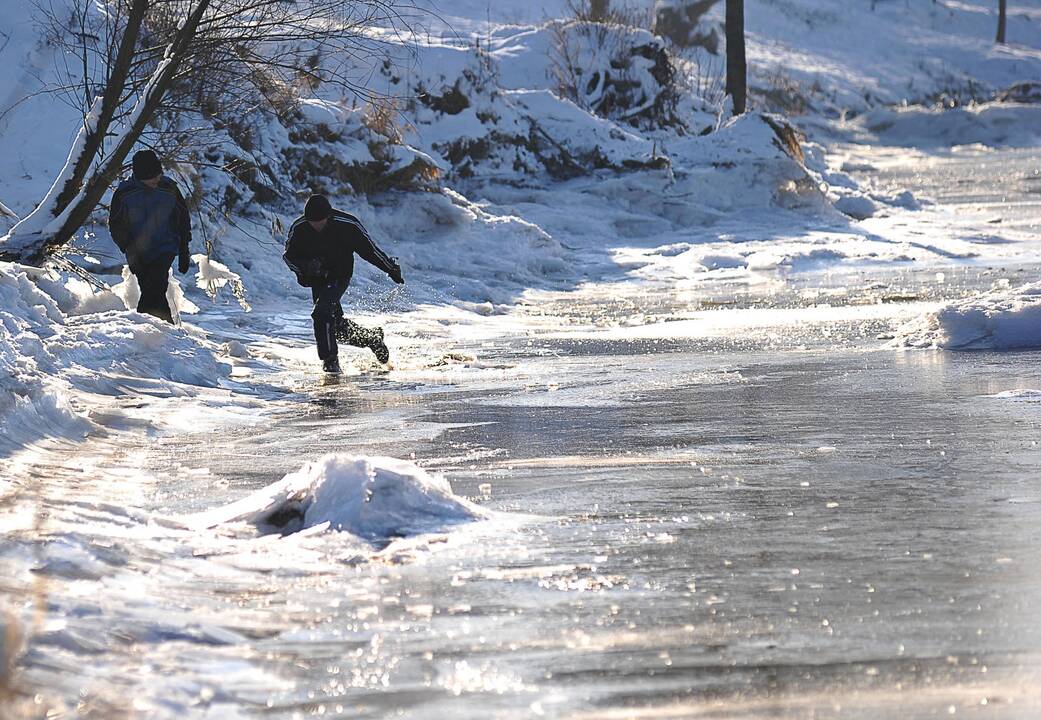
787	137
783	94
703	75
383	117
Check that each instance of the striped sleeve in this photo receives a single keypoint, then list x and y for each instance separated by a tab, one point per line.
363	244
290	256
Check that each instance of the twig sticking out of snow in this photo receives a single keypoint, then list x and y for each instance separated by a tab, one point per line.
212	276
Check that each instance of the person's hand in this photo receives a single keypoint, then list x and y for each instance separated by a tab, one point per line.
183	264
395	275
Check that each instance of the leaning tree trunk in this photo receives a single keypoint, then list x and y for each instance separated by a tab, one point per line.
85	148
1002	8
48	228
114	85
737	87
598	10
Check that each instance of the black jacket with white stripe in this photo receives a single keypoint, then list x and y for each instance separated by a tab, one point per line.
320	257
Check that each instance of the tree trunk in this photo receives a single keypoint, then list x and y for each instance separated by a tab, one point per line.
598	10
737	87
1002	12
114	84
85	147
39	234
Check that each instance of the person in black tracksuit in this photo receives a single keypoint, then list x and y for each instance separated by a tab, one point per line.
149	222
320	251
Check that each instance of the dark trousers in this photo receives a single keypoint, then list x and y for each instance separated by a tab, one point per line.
330	325
152	279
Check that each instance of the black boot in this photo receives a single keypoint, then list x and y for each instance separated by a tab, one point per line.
351	332
331	365
379	347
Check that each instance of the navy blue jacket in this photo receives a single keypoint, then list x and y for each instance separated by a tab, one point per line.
317	258
150	224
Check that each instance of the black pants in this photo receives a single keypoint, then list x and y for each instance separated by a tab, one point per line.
330	325
152	279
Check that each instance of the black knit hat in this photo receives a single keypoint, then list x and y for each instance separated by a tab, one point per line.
317	208
147	165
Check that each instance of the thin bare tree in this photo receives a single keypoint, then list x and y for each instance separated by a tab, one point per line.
598	10
1002	15
144	64
737	86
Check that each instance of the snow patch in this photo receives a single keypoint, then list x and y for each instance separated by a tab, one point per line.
374	498
1003	319
857	207
1023	394
59	339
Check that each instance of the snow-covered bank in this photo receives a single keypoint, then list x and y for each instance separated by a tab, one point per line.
825	56
376	499
1026	395
1003	319
65	347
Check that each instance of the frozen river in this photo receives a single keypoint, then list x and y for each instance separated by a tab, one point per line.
787	520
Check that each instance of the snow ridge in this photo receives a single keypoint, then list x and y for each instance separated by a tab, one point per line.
1003	319
374	498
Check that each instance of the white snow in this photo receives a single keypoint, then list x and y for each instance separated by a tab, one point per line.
1028	394
62	346
212	276
374	498
1003	319
995	124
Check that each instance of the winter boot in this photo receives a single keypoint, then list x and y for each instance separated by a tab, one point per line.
331	365
379	347
351	332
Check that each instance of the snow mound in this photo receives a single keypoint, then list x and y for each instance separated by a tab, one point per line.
857	207
60	339
1003	319
1023	394
374	498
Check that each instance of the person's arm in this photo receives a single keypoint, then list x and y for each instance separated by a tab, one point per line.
304	265
367	249
184	230
117	220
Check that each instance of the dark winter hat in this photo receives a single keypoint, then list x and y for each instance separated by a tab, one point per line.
317	208
147	165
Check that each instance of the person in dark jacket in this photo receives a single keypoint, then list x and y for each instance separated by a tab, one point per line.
320	251
149	222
